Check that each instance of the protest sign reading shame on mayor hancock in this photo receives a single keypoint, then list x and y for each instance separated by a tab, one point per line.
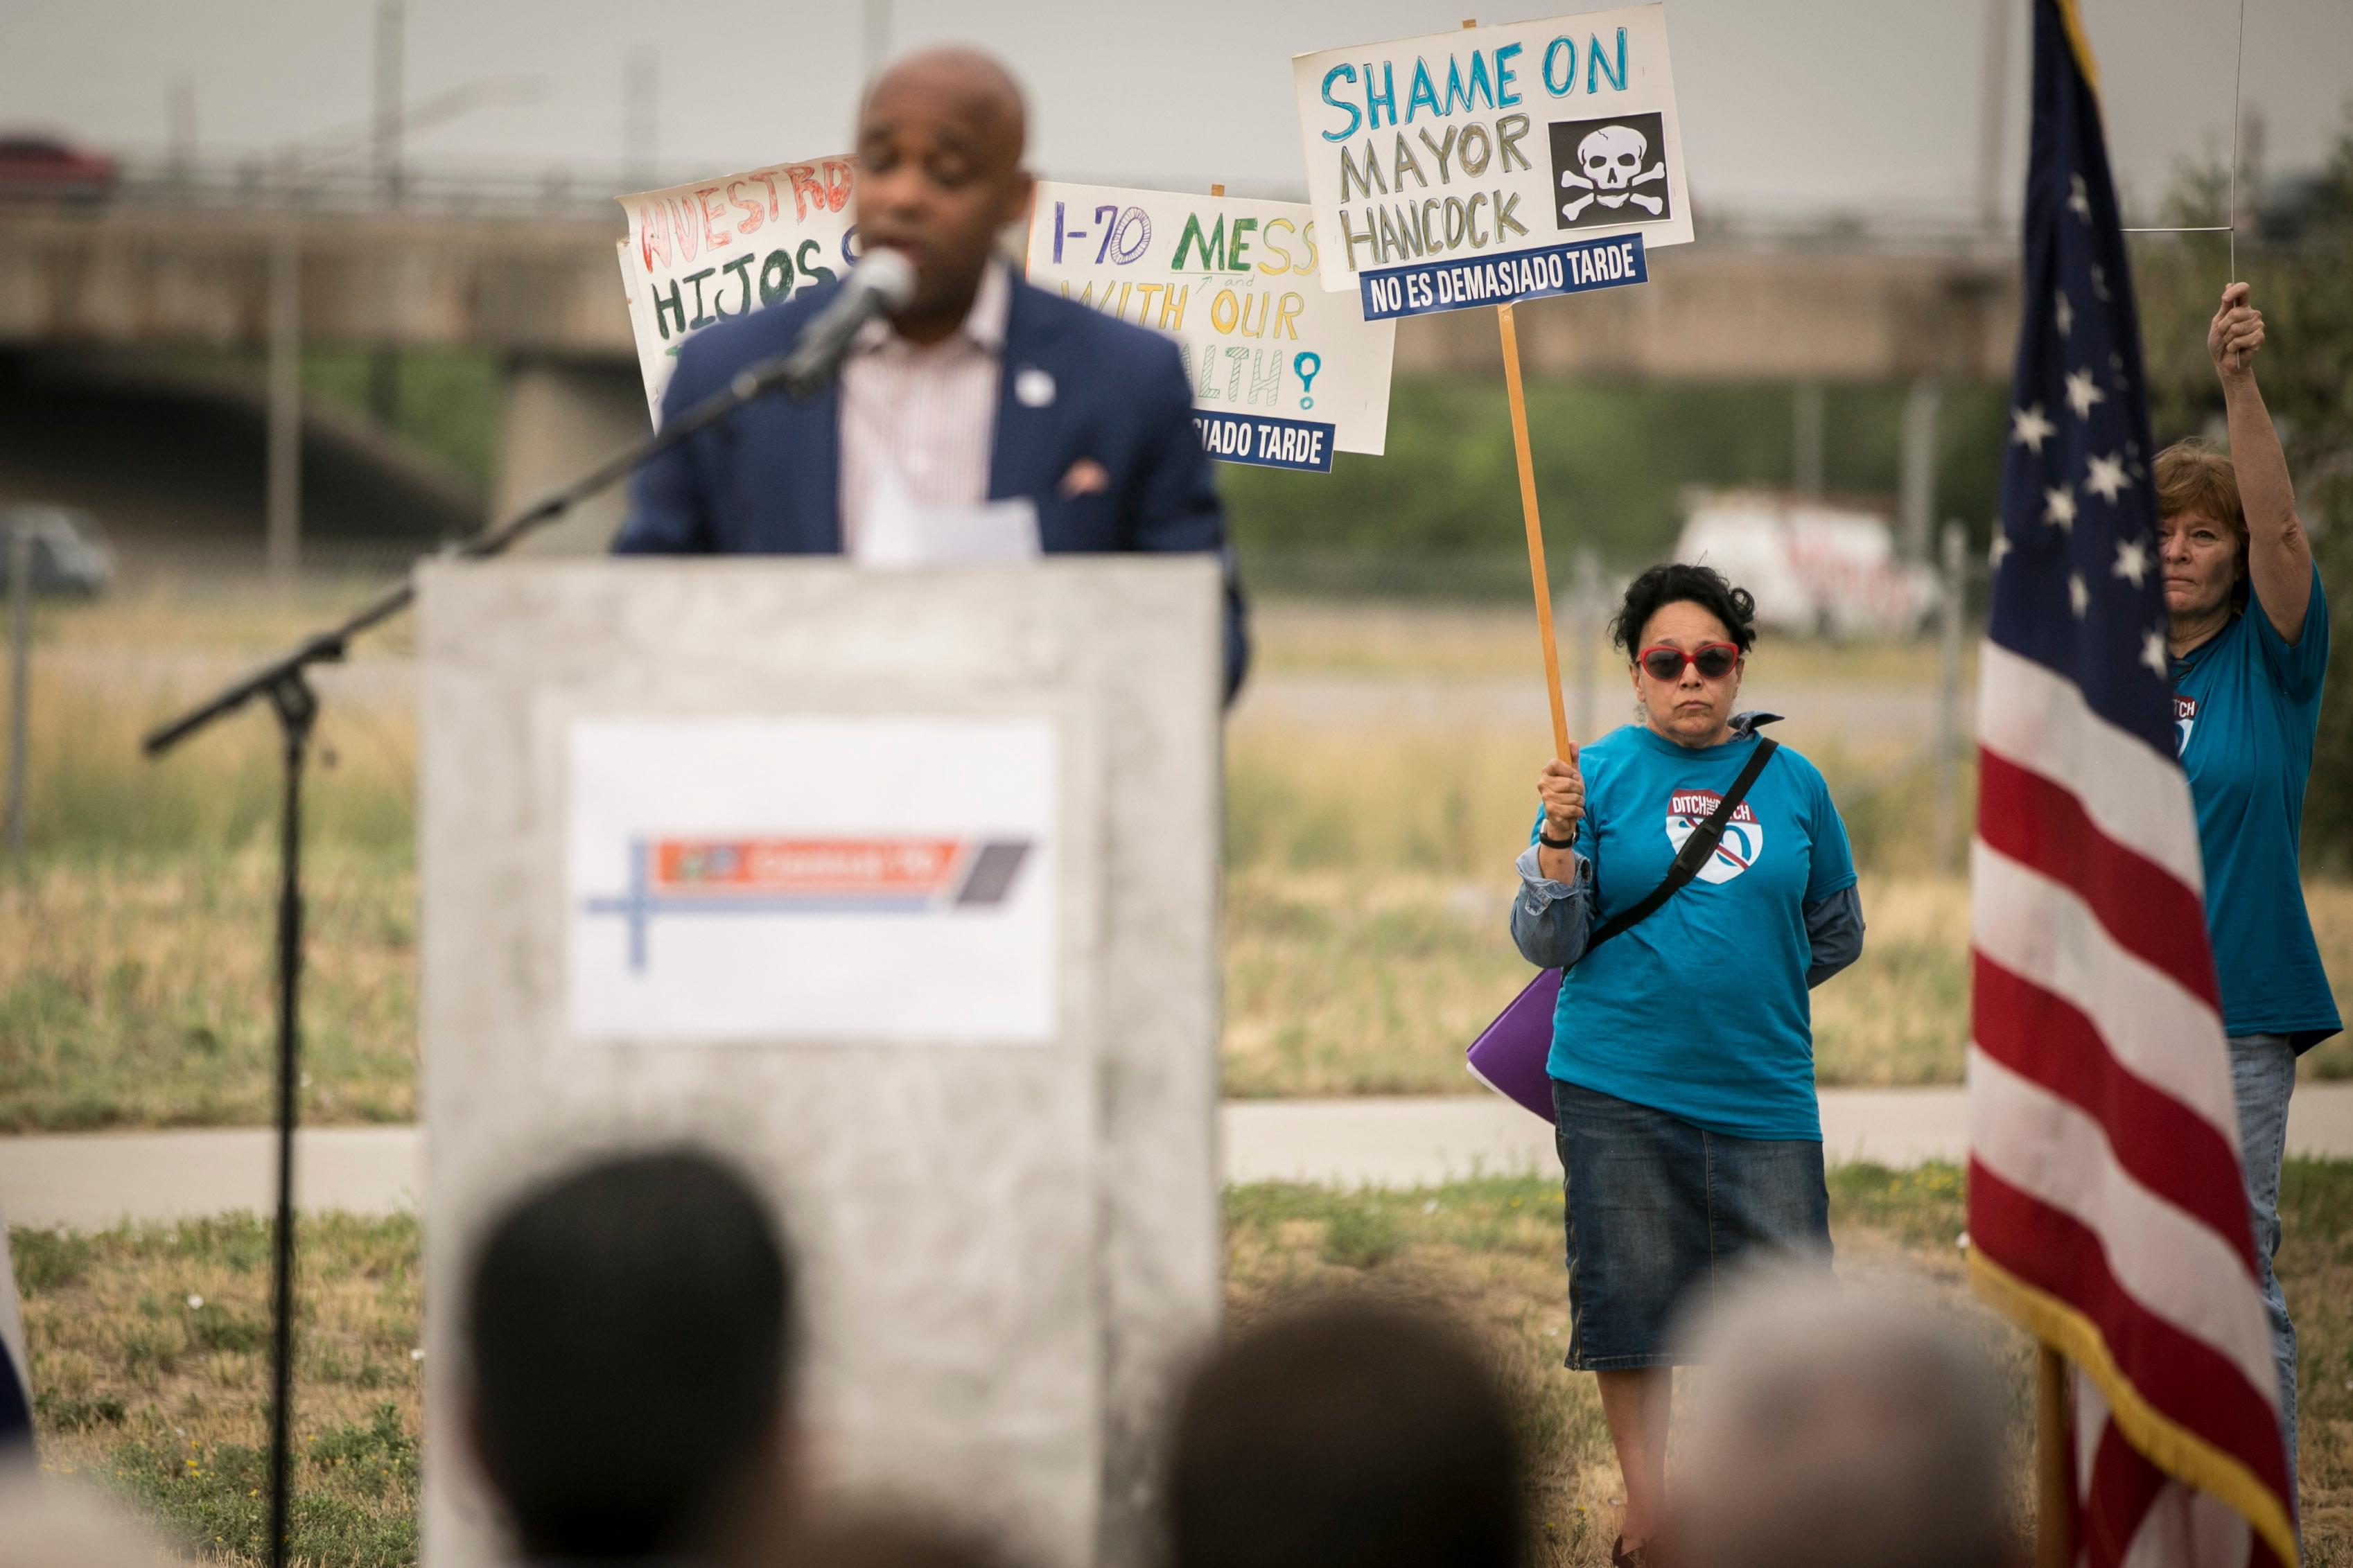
1283	371
1489	164
700	253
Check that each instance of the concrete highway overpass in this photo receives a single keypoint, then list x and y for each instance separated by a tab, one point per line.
545	286
530	276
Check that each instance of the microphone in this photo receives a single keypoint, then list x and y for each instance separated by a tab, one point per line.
881	282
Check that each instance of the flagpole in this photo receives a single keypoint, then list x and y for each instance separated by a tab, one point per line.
2054	1457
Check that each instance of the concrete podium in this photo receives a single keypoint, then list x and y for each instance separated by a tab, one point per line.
898	888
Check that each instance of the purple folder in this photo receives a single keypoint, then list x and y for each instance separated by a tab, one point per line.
1509	1055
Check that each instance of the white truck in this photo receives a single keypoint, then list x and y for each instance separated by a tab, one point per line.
1816	569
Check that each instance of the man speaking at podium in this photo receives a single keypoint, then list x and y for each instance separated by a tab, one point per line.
980	418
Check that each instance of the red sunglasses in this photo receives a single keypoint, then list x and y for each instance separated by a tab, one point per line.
1715	660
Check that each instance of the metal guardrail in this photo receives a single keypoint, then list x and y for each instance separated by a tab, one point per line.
457	190
343	184
252	184
1466	576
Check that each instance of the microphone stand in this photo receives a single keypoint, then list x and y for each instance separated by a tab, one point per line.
285	682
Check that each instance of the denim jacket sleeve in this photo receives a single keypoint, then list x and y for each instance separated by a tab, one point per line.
1834	931
1550	920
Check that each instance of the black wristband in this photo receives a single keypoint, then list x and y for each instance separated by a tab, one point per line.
1550	842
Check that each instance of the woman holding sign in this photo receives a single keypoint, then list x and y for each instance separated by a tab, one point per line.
1693	881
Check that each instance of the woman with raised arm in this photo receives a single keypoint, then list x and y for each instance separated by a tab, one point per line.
2249	633
1683	1048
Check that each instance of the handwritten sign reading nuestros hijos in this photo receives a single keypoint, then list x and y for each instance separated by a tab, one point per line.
1489	164
1283	371
700	253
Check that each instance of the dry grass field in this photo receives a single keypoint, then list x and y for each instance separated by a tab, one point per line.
1368	860
221	619
1367	863
1372	985
150	1368
135	993
150	1352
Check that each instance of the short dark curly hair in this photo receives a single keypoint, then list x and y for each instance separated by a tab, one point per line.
1679	582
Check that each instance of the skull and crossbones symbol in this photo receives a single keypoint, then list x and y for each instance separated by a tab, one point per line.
1609	170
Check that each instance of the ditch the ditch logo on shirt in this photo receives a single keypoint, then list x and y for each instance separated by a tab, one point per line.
809	876
2185	719
1743	835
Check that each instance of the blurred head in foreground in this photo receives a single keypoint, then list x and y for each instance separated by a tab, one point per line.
1352	1435
940	140
1854	1430
54	1525
630	1330
866	1537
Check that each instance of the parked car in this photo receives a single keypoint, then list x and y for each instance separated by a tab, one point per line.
1816	569
71	558
42	168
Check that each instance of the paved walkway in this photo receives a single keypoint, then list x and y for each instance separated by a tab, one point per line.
90	1180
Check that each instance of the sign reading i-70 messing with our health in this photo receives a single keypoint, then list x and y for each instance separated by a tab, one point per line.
1282	371
1491	164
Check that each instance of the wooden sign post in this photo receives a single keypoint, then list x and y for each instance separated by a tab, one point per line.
1519	403
1517	398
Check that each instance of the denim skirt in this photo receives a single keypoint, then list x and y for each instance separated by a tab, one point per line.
1659	1212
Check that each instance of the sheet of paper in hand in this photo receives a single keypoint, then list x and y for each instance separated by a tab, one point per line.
1491	164
1283	373
700	253
901	532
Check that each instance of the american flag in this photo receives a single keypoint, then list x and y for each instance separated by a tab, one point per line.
2106	1212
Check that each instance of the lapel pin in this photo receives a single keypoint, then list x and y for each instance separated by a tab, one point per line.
1033	388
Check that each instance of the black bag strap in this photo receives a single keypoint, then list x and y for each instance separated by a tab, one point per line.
1696	850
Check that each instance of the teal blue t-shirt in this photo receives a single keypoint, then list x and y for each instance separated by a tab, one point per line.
1701	1010
2247	706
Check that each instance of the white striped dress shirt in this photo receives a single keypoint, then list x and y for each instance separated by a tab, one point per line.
923	416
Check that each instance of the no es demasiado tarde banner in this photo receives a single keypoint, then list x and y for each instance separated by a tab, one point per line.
1489	164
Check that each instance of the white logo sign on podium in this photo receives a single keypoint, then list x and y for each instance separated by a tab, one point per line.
808	879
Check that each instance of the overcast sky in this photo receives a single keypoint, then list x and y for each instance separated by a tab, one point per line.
1788	106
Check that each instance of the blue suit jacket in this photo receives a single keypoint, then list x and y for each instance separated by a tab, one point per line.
767	481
